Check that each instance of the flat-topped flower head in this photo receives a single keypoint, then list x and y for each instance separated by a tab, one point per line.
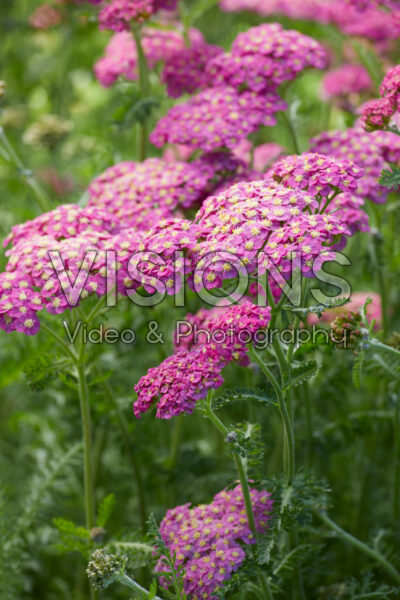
209	541
65	221
156	187
369	151
318	174
216	118
264	57
185	70
119	14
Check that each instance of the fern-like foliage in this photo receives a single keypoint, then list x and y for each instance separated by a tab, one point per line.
42	369
16	522
173	574
390	178
241	393
301	374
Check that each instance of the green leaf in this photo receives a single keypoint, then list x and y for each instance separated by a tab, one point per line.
301	374
106	508
390	178
73	537
152	590
242	393
42	369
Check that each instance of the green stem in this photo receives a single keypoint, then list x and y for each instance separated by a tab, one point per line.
374	554
292	132
396	490
288	429
131	584
40	194
60	342
144	83
244	484
137	473
87	443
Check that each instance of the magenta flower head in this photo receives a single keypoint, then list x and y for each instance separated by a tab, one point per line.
118	14
345	80
216	118
131	192
369	151
390	86
264	57
185	377
318	174
376	114
209	540
184	71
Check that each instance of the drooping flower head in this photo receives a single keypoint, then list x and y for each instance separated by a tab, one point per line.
216	118
209	540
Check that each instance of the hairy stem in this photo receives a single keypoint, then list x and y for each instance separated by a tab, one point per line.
287	424
244	484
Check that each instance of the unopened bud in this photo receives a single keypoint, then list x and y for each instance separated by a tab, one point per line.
97	534
104	567
231	438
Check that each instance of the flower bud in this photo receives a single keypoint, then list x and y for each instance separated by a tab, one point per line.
103	568
346	331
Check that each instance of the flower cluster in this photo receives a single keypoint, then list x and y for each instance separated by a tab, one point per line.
208	540
120	56
66	221
357	301
372	22
345	80
184	70
131	190
368	151
346	331
45	16
216	118
118	15
377	114
316	173
185	377
265	56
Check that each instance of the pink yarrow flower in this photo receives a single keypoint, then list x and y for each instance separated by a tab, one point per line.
208	541
184	378
216	118
346	80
